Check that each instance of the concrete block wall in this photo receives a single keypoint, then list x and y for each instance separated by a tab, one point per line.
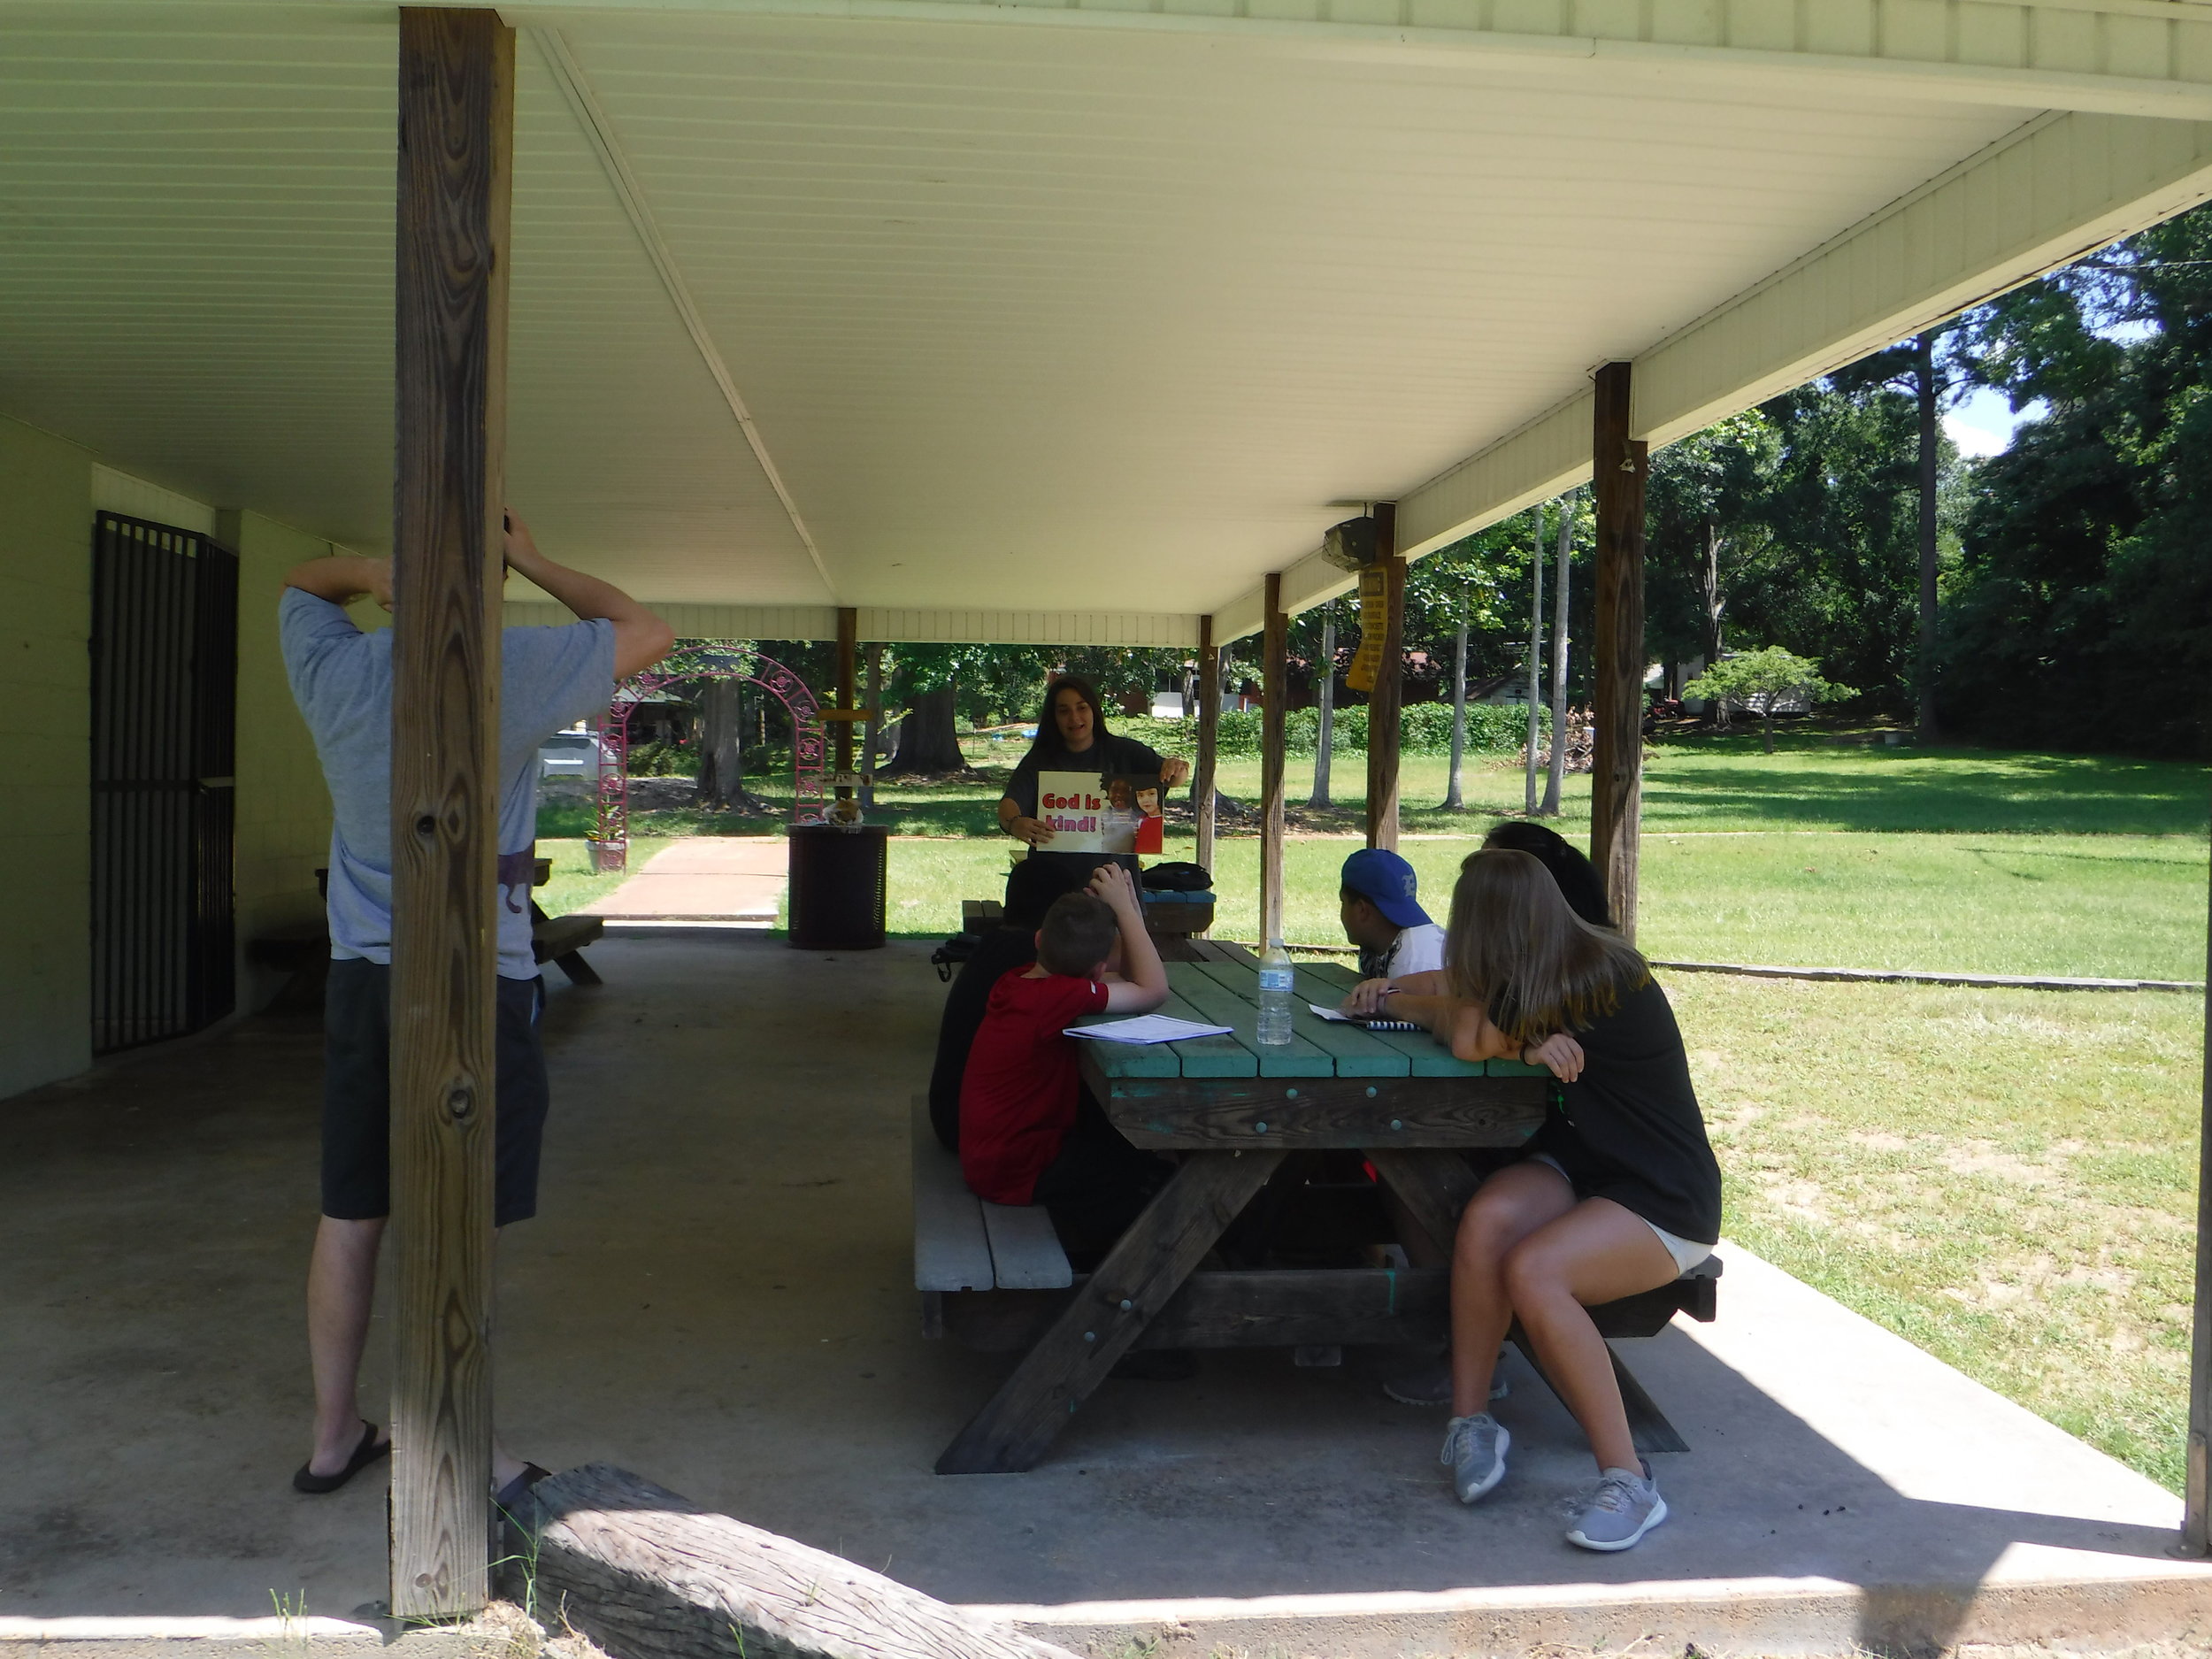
49	491
46	834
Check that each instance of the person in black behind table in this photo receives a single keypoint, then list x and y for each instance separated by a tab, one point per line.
1030	887
1618	1192
1072	737
1579	883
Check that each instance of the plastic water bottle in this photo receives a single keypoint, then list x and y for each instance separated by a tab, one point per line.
1275	995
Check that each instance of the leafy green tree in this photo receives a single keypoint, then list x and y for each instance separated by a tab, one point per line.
1761	682
2081	615
1709	529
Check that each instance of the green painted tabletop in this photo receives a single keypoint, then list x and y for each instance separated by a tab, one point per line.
1228	993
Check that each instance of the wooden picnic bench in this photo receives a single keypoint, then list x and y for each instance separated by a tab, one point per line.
302	951
995	1277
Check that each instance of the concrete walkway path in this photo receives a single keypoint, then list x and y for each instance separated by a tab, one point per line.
706	879
718	1294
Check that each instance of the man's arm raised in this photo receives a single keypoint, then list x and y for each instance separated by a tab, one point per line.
641	638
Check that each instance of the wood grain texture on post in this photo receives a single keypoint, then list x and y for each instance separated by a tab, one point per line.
1619	468
647	1575
1209	739
456	127
1275	675
847	654
1383	702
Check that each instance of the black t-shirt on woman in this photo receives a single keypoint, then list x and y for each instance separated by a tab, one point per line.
1630	1129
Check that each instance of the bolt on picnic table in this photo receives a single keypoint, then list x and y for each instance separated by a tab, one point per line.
1233	1110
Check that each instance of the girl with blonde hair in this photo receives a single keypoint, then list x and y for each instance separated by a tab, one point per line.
1618	1192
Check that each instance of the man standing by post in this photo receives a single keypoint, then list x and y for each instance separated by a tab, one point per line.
341	679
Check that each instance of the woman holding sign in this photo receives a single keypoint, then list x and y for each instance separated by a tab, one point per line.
1072	797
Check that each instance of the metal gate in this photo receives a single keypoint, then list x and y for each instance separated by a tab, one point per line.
165	692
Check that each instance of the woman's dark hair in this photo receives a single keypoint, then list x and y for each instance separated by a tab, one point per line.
1048	742
1577	876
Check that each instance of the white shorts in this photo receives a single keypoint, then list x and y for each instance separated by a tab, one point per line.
1686	1253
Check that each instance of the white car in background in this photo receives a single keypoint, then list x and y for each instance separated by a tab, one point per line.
571	754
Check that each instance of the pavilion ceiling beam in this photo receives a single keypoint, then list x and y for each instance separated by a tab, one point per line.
568	74
2138	57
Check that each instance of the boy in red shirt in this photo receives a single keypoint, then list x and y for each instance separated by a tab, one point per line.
1029	1134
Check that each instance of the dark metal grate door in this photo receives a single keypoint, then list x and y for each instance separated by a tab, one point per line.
165	690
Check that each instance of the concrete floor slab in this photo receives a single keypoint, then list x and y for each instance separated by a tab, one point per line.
737	878
718	1294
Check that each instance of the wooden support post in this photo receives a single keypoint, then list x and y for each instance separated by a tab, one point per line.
456	154
2196	1523
847	657
872	734
1209	739
1383	701
1619	466
1275	689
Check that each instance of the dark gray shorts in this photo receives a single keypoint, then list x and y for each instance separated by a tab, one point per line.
357	1095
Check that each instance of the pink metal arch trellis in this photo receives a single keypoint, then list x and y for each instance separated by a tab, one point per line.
809	747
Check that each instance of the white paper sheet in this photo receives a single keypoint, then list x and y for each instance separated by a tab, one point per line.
1337	1014
1149	1028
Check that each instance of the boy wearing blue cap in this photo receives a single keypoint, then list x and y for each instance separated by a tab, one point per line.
1382	915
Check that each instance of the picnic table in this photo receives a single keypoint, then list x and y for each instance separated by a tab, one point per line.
1233	1110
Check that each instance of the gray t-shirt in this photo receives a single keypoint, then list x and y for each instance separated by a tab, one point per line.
341	679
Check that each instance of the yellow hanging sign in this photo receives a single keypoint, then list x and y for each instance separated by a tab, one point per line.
1374	623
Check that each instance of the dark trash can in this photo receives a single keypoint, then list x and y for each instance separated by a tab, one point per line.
837	886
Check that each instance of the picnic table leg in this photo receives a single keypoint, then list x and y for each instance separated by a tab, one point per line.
1434	1186
1647	1426
1108	1312
578	970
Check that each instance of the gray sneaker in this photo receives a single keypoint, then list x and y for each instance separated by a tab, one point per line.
1474	1451
1430	1384
1620	1509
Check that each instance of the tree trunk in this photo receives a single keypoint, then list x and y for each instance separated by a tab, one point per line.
721	740
1535	658
1924	360
1557	770
1453	803
1324	689
928	740
1766	724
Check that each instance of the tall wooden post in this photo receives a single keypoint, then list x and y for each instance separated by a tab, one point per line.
1619	466
1209	739
848	661
456	154
1275	689
2196	1521
1383	701
871	732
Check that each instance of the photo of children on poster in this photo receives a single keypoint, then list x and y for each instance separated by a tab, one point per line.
1117	813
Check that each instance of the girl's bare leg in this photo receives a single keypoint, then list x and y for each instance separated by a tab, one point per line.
1597	1252
1511	1205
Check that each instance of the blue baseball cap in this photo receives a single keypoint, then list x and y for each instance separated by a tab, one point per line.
1386	882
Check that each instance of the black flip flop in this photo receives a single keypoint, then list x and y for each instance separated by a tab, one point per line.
363	1455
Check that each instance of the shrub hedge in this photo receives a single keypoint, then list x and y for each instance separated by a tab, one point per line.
1423	728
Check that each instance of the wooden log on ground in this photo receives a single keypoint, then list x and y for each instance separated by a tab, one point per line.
648	1575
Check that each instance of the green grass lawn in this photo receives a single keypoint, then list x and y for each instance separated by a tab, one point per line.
2005	1178
2008	1178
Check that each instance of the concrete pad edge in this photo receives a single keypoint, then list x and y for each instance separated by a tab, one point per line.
1719	1616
